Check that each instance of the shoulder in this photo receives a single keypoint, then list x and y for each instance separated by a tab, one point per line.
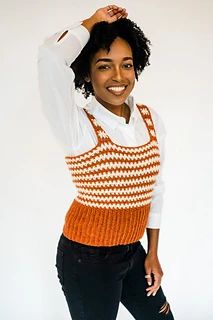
157	120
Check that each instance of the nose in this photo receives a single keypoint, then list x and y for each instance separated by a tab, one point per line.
117	74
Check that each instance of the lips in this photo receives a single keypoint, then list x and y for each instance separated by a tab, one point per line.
117	90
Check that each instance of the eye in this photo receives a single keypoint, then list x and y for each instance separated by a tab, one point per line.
128	65
104	67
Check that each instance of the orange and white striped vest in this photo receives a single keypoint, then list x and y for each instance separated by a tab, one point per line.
115	185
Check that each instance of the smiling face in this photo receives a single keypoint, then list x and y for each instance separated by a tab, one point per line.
112	74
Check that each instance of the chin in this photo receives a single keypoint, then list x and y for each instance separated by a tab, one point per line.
117	101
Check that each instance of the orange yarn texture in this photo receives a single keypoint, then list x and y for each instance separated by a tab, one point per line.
115	185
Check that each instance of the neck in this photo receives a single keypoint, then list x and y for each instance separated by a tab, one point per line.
120	110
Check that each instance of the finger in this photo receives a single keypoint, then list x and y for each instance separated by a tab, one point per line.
117	13
153	291
122	11
156	282
149	279
111	6
110	13
117	16
157	279
119	10
113	13
111	9
154	286
123	14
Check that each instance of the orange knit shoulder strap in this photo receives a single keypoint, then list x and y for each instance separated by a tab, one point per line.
100	132
146	114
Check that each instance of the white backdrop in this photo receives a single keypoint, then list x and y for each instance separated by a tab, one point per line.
36	188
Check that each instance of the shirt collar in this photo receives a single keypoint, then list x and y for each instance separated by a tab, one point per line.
113	120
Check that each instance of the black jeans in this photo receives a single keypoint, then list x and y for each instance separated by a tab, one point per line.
95	279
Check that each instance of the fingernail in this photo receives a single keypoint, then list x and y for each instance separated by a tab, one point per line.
154	293
148	294
149	283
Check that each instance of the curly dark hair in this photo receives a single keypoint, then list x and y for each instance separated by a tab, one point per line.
101	37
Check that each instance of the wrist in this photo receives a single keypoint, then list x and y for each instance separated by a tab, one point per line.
152	253
89	23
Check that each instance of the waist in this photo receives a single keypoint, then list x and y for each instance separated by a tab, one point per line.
109	249
105	227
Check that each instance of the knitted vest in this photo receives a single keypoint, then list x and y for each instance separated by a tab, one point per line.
115	185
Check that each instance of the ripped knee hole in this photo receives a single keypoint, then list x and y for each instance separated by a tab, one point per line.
165	308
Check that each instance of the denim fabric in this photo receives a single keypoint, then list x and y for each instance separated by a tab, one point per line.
95	279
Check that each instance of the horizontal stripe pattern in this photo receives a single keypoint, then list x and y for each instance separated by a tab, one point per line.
115	157
119	151
118	183
115	205
112	181
110	191
102	174
121	199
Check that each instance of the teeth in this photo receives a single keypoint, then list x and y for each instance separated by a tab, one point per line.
117	89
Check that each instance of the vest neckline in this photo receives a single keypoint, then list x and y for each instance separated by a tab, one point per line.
101	141
118	145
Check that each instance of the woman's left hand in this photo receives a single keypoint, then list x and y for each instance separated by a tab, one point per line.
152	265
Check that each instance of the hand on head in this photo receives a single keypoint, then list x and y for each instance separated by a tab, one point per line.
109	14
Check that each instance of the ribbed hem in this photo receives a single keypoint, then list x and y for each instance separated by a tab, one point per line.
105	227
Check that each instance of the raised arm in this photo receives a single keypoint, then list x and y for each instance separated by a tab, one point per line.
56	81
56	78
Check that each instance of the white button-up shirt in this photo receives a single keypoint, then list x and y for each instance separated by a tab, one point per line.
68	121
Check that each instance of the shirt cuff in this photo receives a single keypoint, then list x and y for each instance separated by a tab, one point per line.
154	221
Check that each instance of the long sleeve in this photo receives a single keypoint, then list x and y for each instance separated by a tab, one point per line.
66	119
155	215
56	81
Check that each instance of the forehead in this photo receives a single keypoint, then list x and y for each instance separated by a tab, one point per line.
119	48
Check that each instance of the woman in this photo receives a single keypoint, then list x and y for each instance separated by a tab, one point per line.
114	150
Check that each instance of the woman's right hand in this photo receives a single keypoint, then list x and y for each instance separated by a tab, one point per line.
109	14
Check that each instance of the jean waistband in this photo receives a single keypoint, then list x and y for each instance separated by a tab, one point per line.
117	248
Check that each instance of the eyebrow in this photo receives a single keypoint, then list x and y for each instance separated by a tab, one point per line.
110	60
